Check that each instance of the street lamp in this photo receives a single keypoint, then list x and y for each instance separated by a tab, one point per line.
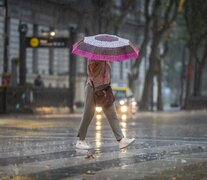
52	33
46	33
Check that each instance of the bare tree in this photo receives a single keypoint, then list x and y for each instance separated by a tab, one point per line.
134	75
100	16
195	18
163	16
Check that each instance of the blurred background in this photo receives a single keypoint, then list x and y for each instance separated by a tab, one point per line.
39	73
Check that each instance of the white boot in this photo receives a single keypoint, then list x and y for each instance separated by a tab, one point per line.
81	144
125	142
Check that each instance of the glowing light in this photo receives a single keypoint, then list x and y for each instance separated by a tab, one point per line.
134	103
98	128
98	109
44	33
52	33
98	133
98	144
123	108
123	124
98	136
98	123
98	116
124	117
121	102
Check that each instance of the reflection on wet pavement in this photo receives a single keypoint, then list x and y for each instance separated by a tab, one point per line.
168	146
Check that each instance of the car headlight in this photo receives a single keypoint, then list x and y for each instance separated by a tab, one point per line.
123	108
98	109
134	103
121	102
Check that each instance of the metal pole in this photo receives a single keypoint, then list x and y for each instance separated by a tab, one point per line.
22	53
51	57
6	39
6	45
35	52
51	61
72	69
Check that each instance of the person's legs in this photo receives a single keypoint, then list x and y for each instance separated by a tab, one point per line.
88	113
111	115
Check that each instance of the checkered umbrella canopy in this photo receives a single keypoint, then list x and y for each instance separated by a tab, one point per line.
105	47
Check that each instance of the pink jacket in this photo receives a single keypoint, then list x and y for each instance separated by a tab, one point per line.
99	72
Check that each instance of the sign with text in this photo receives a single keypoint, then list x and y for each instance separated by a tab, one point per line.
41	42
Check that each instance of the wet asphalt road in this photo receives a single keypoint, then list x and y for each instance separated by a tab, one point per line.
170	145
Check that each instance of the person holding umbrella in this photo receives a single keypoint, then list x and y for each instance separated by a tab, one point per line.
100	50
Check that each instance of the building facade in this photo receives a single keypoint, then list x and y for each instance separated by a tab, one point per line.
51	63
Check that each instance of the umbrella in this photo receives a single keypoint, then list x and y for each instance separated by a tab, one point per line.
105	47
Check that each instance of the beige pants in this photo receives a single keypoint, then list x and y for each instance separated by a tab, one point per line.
88	113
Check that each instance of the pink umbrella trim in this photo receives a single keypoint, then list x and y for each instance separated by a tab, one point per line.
106	57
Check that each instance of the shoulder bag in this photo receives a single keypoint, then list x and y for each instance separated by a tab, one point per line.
103	97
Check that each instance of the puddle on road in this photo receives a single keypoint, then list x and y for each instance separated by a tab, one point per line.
194	171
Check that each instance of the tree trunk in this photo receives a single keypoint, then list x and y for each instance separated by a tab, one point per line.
182	76
158	30
134	75
196	78
188	78
159	82
200	68
144	105
199	79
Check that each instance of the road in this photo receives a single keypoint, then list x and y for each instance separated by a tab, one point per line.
169	145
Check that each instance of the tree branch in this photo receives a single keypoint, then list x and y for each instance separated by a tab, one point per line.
166	49
146	37
167	12
204	57
169	21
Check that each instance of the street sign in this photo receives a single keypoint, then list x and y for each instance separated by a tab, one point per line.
42	42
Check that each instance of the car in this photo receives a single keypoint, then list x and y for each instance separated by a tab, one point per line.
125	103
